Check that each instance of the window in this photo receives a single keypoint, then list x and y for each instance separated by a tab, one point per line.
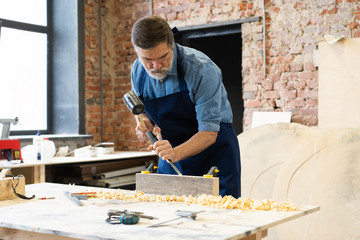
23	63
42	66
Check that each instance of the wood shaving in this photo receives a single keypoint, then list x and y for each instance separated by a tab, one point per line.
226	202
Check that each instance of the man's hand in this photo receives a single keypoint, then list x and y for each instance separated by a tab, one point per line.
196	144
164	150
140	129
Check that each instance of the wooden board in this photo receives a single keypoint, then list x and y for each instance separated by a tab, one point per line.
6	191
176	185
115	182
339	84
33	174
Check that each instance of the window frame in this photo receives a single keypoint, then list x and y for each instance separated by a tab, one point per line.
36	29
75	119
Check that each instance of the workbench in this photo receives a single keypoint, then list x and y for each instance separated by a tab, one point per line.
61	218
35	170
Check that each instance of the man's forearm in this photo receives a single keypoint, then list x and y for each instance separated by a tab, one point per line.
196	144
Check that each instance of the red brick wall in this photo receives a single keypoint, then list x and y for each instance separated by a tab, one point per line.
292	32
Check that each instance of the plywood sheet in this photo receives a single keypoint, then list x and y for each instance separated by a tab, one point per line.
306	165
176	185
339	84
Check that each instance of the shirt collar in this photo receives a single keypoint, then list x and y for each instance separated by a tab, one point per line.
173	70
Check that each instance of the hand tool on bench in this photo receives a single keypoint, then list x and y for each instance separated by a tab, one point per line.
181	214
137	107
83	195
73	199
125	217
112	212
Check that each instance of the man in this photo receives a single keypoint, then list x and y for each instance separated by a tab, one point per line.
185	98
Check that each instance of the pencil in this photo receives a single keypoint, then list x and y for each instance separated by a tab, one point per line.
45	198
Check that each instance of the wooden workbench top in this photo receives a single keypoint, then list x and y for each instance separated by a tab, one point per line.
61	217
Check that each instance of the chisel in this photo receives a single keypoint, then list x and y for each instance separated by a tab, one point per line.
154	139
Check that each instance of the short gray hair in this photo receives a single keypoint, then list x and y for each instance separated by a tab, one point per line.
150	31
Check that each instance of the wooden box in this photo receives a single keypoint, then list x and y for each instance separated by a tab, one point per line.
6	190
163	184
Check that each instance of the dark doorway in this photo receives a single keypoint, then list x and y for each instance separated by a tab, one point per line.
223	44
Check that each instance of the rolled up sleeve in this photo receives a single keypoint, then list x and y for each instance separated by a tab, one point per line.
208	97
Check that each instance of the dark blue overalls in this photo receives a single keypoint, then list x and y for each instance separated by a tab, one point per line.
175	115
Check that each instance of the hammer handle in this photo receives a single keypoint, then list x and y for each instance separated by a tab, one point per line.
141	120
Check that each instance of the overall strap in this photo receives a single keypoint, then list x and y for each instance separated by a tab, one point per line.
180	71
142	76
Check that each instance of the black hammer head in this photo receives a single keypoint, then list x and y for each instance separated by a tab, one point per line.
133	102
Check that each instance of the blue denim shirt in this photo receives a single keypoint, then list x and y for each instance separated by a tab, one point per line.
204	82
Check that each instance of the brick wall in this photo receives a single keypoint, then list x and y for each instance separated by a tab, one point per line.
293	29
118	123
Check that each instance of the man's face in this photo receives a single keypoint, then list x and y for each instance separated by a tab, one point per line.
157	61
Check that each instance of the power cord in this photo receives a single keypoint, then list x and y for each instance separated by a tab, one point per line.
14	187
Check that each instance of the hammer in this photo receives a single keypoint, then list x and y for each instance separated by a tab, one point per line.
137	107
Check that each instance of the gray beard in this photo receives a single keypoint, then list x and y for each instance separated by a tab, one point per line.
158	75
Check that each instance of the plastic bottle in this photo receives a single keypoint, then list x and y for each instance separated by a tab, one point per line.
37	140
48	149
